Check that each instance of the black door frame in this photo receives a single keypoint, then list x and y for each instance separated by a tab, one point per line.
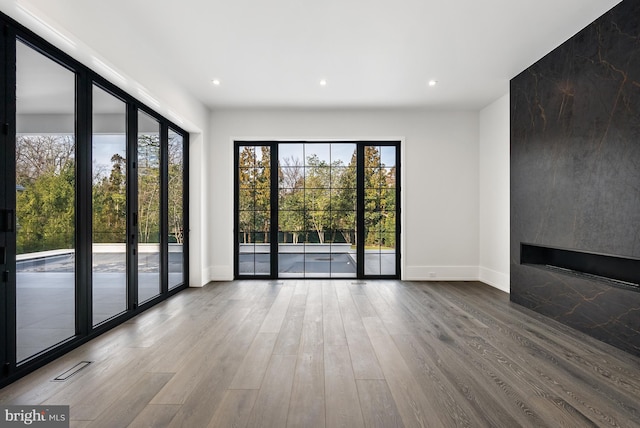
85	79
360	212
7	200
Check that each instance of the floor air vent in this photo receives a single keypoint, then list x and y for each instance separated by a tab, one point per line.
72	371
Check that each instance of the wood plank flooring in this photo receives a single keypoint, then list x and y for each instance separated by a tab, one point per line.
341	353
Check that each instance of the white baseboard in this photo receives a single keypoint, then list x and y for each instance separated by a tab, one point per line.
491	277
496	279
195	281
220	273
214	273
441	273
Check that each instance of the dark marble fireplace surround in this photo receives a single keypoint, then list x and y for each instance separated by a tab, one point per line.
575	179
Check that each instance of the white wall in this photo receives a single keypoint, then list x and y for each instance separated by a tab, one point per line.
455	164
439	180
494	194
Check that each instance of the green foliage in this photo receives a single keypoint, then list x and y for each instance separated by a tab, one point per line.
176	188
45	168
291	216
46	211
110	204
318	196
149	188
255	194
316	200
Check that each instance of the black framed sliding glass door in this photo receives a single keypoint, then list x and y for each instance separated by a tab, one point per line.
147	217
93	204
45	180
380	210
176	191
332	205
317	210
109	201
253	208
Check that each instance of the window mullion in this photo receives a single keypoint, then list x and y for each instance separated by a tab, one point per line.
273	206
83	252
360	208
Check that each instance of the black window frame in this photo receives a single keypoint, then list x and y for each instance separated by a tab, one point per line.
360	206
85	79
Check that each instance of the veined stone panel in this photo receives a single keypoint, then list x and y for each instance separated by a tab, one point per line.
575	174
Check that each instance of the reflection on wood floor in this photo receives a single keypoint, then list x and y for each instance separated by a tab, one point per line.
341	353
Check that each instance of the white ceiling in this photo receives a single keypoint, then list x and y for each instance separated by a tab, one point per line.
373	53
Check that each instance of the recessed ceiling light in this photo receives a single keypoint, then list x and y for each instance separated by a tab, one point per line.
433	82
216	82
323	82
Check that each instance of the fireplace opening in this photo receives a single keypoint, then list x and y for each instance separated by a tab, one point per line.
619	270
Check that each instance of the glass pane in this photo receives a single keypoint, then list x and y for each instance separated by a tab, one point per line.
254	217
317	154
247	158
317	261
372	262
263	260
291	216
388	241
291	177
262	224
380	210
317	199
148	207
263	158
263	197
343	249
388	156
388	223
176	209
388	254
343	177
344	225
387	262
247	199
343	199
109	151
317	178
245	223
375	178
246	178
45	203
373	237
371	157
372	200
317	224
343	261
343	154
291	261
290	154
291	224
291	199
247	258
390	177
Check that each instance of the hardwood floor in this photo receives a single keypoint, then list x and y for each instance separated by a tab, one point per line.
341	354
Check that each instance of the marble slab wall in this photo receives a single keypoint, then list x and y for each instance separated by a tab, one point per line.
575	174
